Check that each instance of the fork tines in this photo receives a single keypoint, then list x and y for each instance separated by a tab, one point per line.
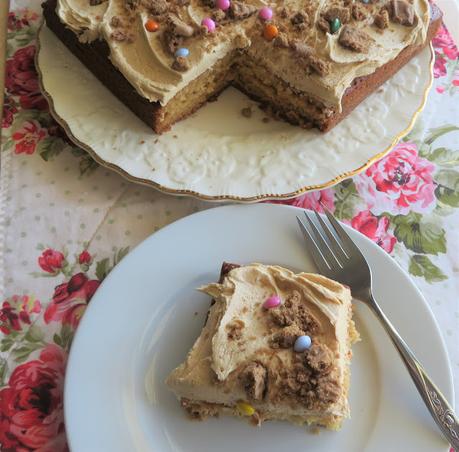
329	244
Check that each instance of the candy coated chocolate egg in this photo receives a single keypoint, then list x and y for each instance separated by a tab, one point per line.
302	343
182	52
265	13
223	4
335	25
272	302
209	24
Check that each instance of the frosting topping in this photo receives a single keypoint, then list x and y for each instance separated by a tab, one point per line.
344	39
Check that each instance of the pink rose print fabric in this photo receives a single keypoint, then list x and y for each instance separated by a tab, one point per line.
31	405
375	229
21	79
446	61
399	183
316	200
70	300
27	138
51	261
406	203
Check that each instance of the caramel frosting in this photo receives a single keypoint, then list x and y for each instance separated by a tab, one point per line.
144	60
240	336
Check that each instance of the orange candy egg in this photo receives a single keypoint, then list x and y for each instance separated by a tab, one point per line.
270	32
151	25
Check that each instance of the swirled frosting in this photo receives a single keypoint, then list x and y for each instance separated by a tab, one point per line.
148	66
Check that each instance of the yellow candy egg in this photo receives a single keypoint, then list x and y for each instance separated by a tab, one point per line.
245	409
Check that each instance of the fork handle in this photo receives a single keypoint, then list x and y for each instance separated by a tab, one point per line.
435	401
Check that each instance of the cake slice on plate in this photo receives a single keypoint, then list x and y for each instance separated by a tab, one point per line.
275	345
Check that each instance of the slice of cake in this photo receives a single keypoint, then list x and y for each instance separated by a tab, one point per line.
310	62
275	345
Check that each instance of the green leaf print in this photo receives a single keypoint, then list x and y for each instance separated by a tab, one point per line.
444	157
65	338
447	190
119	255
437	132
3	371
346	198
102	268
87	165
422	266
50	147
34	334
7	341
21	354
419	234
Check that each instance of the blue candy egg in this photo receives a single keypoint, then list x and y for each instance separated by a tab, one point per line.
302	343
182	52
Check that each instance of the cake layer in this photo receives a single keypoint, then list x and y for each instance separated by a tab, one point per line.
245	353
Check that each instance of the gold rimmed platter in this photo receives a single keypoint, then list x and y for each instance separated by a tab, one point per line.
218	154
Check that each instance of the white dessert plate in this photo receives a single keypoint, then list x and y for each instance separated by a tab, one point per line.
217	154
147	314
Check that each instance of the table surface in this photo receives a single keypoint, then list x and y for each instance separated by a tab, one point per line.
65	222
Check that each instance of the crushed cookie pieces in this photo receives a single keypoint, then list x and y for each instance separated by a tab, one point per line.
319	358
115	22
402	12
253	379
323	25
132	4
381	20
343	14
234	329
179	27
294	312
281	40
311	61
359	12
300	20
286	337
219	16
156	7
239	10
121	36
176	31
353	39
180	64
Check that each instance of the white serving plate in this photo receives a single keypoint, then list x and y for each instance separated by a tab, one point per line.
141	323
217	154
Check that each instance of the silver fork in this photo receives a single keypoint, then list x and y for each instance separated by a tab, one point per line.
338	257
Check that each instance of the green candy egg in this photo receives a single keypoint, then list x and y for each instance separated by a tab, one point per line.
335	25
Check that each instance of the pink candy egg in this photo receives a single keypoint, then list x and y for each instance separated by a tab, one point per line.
272	302
209	24
223	4
265	13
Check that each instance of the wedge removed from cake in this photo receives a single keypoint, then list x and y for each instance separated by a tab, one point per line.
276	345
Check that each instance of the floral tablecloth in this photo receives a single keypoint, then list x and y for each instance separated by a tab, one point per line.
65	222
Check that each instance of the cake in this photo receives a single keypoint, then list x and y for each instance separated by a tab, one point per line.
275	346
309	62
